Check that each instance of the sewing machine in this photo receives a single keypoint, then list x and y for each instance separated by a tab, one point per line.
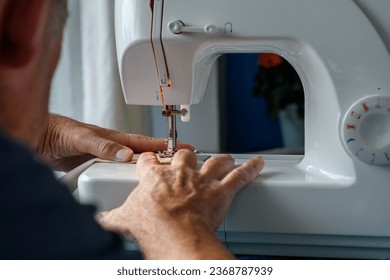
333	201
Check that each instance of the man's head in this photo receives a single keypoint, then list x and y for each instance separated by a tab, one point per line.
30	43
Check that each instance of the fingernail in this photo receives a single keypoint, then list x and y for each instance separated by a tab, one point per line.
123	154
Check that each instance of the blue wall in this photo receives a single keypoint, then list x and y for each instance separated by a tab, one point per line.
247	126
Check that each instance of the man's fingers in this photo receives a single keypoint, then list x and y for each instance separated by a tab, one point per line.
140	143
184	157
217	167
244	174
145	161
184	146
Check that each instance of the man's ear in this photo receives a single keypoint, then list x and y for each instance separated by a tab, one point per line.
21	27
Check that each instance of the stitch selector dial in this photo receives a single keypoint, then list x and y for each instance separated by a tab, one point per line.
366	130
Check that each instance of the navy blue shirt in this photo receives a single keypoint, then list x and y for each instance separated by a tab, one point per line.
40	219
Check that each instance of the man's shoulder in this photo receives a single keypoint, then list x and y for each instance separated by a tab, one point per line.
34	202
18	162
10	146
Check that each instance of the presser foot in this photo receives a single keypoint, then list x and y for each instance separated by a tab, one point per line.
169	155
166	154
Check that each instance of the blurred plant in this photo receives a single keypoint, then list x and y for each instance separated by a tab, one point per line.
279	83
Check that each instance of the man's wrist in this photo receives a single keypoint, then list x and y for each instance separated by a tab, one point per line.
192	240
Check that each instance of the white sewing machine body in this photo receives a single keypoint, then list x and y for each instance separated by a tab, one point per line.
331	202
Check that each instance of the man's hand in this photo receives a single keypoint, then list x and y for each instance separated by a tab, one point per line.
67	143
175	209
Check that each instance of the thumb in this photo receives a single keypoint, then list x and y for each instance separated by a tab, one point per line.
110	150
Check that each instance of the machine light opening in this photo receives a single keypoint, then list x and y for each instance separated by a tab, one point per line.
261	105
